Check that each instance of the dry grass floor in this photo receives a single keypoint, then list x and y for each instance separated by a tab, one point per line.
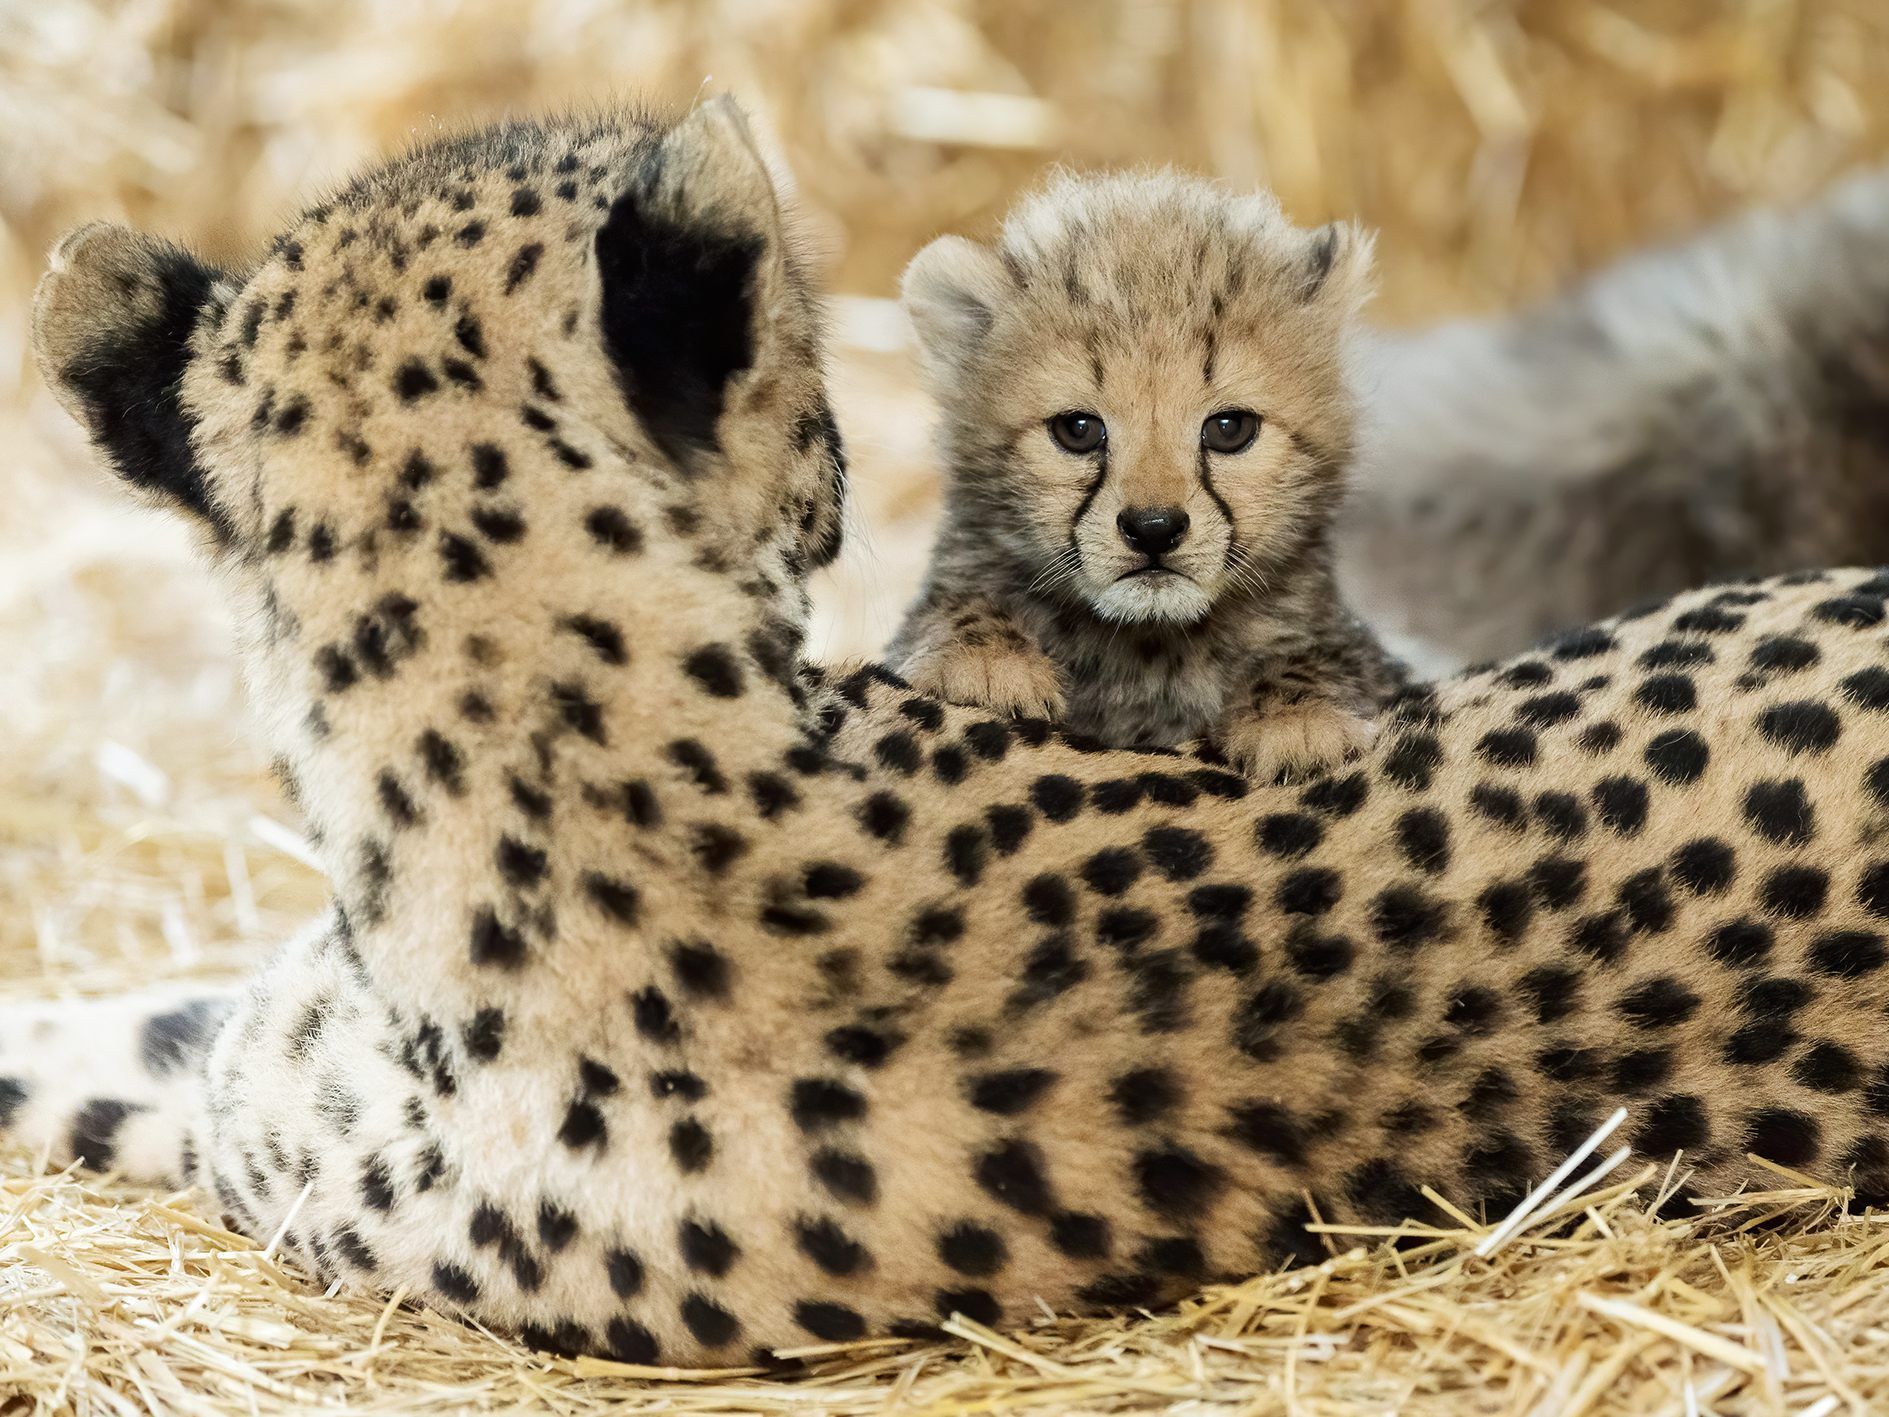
1499	144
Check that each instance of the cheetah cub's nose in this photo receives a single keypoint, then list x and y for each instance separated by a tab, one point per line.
1153	531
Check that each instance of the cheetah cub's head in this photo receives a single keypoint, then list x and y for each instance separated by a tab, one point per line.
580	352
1143	388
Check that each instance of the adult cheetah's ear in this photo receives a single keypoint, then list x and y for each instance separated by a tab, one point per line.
692	266
112	322
1338	267
952	291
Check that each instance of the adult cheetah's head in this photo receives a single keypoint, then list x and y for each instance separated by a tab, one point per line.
533	365
654	314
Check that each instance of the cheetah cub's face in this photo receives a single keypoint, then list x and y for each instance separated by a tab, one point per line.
1142	386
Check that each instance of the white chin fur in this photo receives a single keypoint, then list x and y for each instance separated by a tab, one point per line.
1140	600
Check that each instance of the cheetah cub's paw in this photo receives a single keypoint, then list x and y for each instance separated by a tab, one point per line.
1287	744
1005	679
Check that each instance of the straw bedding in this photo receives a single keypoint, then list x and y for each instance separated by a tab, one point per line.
1498	145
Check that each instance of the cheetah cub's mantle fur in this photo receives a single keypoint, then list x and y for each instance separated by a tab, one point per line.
682	1003
1147	427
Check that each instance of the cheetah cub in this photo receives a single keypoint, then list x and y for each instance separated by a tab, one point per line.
1147	429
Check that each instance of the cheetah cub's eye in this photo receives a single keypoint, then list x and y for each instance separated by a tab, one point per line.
1230	431
1078	432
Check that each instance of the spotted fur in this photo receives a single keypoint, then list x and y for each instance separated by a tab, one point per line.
1151	304
683	1002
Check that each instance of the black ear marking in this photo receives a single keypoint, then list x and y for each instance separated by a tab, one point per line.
678	318
823	531
1318	264
114	328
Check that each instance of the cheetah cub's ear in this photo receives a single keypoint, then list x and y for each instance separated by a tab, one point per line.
952	292
1338	269
112	324
693	271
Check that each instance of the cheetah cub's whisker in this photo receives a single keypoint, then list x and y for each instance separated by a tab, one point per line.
1148	430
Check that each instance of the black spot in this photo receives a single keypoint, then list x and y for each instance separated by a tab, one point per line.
1598	738
454	1283
1800	727
1080	1236
1658	1003
1008	1093
583	1125
1785	654
1506	908
1057	797
1673	1123
692	1145
1667	694
1145	1095
463	560
846	1176
1561	815
1423	836
1704	866
1553	990
706	1247
1621	804
611	529
1412	761
171	1040
976	1305
1309	890
1176	1183
1707	620
1337	796
1557	882
966	850
830	1322
653	1016
1853	611
1406	917
1011	1173
1546	710
973	1249
1501	805
884	816
1794	892
1113	871
484	1034
1828	1067
714	667
1288	834
1677	756
413	380
1781	1135
1868	689
1779	811
1269	1129
1848	954
493	943
1178	853
711	1325
1583	644
819	1103
830	1247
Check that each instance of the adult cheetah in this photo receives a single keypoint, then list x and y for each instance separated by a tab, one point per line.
680	1000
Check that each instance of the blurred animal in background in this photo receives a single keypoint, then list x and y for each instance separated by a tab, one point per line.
1714	409
1146	434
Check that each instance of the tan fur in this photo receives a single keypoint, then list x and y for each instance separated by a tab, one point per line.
684	1002
1154	302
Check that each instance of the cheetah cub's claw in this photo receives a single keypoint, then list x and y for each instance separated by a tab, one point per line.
1291	743
1021	683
